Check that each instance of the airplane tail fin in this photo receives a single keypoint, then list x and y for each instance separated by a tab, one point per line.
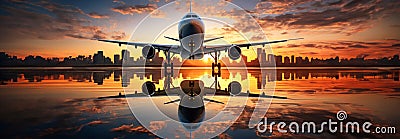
190	6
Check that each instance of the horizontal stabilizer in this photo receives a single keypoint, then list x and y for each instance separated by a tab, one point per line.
210	100
213	39
171	38
173	101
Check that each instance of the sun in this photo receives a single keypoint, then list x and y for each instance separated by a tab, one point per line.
206	58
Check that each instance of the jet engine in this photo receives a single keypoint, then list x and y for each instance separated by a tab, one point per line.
234	88
148	88
234	52
148	52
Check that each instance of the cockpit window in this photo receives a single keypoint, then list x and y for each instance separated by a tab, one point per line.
191	16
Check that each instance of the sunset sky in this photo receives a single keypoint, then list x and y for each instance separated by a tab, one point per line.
60	28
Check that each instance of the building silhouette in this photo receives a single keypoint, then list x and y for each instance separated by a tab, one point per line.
263	59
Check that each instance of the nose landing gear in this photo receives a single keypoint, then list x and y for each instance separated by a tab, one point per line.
214	72
168	64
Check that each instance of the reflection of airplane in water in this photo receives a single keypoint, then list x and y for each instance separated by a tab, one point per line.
192	43
191	108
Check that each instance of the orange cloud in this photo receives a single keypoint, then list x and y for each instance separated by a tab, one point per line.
97	15
137	9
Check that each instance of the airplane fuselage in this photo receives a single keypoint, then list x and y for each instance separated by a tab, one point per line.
191	36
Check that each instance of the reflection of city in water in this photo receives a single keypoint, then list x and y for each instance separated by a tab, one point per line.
155	75
62	102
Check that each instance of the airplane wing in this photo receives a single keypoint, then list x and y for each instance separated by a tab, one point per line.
164	47
208	92
224	47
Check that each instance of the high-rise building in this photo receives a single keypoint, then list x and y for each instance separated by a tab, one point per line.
278	60
117	59
244	58
259	50
286	60
80	57
107	60
271	59
263	57
293	62
299	60
396	57
125	54
306	60
98	58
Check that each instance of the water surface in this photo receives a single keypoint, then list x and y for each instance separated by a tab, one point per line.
62	102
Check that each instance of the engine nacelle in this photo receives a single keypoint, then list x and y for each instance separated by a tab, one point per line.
234	52
148	88
148	52
234	88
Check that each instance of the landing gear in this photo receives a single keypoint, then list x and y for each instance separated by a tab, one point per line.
170	66
168	69
216	64
168	63
216	72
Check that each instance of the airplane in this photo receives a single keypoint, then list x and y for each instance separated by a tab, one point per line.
192	94
192	44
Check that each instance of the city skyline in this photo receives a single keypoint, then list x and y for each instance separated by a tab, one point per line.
64	28
155	75
263	60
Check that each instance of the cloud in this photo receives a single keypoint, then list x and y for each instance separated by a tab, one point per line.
23	21
364	55
309	53
88	32
344	49
130	128
395	26
358	46
96	122
118	35
118	1
137	9
335	16
97	15
393	46
317	46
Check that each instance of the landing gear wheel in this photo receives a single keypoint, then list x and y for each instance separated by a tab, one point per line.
172	68
165	69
